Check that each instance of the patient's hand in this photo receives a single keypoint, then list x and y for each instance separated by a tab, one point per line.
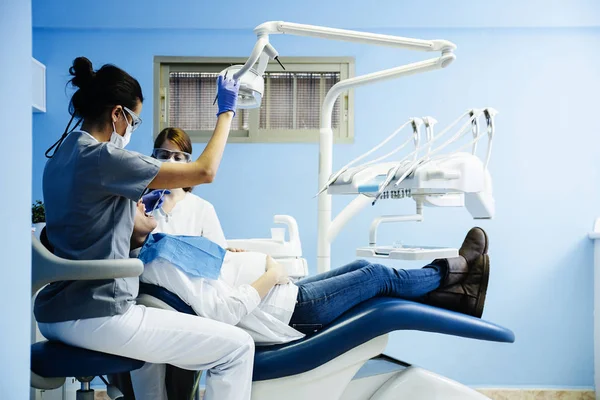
278	269
234	250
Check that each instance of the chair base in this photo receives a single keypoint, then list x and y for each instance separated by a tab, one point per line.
85	394
417	383
327	381
364	374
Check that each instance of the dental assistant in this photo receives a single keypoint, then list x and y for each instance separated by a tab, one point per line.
91	185
179	211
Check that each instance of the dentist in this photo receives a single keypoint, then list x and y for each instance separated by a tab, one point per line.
91	185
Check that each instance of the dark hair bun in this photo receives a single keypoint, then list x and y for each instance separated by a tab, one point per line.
82	72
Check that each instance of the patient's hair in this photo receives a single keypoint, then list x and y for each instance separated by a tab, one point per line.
99	91
179	137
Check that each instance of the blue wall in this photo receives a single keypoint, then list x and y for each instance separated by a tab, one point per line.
543	81
15	211
238	14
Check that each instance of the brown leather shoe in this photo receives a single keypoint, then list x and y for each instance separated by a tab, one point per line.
468	296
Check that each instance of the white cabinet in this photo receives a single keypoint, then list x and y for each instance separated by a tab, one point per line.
38	86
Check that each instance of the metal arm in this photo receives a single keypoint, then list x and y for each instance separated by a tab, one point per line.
290	28
262	51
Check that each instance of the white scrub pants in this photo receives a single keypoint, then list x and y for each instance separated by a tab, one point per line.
161	337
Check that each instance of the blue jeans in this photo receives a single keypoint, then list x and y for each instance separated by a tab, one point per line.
324	297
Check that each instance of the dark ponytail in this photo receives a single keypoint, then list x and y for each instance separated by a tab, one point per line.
82	72
97	93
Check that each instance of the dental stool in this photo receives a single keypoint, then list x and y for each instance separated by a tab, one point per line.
345	360
52	362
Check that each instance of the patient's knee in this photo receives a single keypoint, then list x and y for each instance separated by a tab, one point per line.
363	262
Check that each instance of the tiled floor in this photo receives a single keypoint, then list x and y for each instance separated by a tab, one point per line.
539	394
501	395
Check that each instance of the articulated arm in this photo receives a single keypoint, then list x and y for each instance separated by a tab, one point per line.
290	28
263	51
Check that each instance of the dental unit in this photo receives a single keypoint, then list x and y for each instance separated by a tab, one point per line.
346	359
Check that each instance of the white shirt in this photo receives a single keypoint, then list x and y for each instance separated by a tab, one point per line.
231	299
191	216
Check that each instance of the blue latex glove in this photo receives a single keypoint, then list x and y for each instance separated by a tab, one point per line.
153	199
227	94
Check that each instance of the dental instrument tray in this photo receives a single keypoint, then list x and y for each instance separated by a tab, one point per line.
406	252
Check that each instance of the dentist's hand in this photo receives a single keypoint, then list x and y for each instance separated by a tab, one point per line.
150	200
227	94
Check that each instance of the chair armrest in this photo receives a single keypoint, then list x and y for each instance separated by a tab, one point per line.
276	246
47	268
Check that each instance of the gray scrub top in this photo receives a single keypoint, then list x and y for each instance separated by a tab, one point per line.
90	193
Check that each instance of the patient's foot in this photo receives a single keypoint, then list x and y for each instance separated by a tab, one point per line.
467	297
465	292
474	246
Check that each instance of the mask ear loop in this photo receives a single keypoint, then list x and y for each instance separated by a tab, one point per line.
62	138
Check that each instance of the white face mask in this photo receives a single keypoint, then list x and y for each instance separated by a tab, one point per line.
118	140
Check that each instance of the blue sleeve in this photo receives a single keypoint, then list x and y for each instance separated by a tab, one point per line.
126	173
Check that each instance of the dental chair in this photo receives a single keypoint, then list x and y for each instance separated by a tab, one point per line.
52	362
346	359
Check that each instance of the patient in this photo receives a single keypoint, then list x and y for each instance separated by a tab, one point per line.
252	291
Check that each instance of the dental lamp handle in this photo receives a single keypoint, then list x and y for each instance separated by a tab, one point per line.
270	51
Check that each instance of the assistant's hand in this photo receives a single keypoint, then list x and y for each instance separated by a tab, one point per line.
227	94
150	200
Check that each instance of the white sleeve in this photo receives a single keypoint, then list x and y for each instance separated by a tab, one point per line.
212	299
211	227
210	302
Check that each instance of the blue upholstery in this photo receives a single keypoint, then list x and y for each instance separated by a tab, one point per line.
362	323
169	298
57	360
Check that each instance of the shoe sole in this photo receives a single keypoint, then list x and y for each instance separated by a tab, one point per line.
485	278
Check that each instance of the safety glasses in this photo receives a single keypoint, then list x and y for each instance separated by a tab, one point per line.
135	120
173	156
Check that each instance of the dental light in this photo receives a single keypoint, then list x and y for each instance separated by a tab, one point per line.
252	84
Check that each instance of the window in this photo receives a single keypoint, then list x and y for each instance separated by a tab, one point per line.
291	104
